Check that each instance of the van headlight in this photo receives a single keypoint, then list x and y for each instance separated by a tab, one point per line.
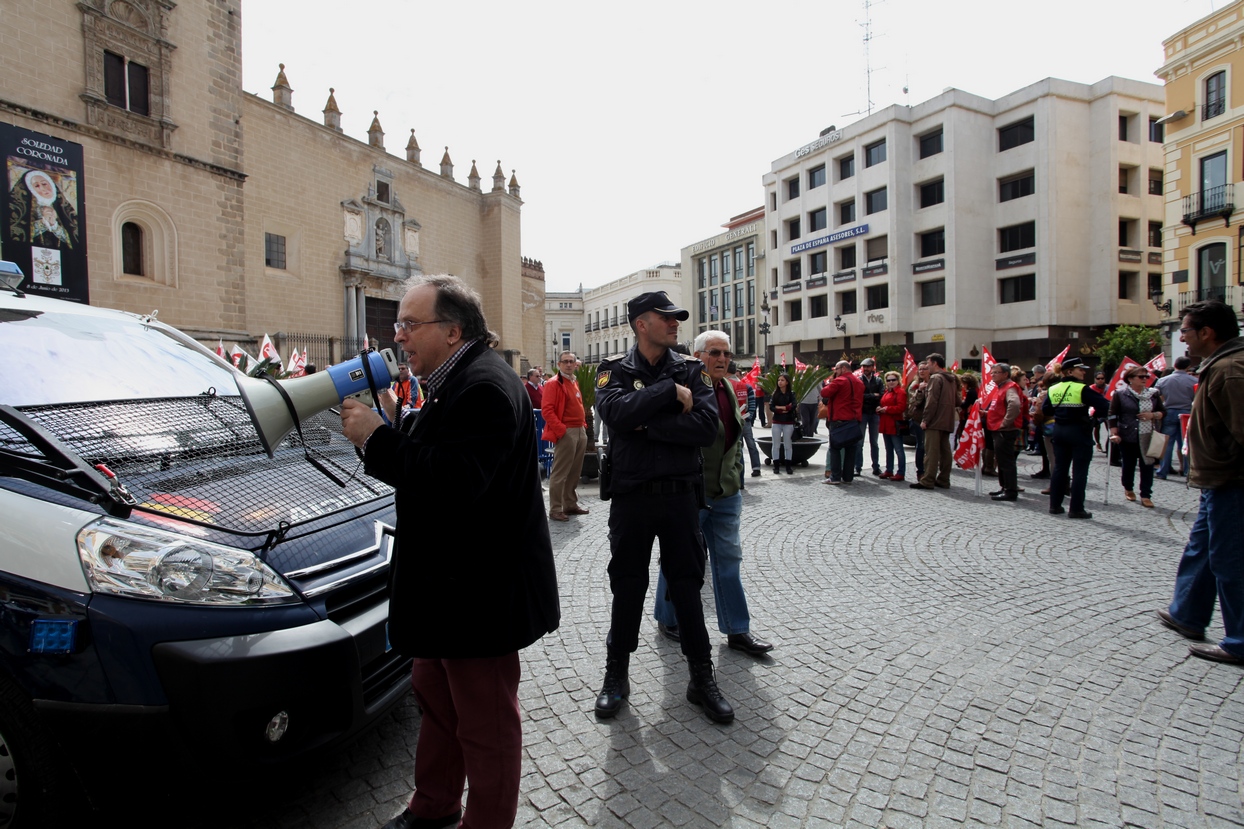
125	559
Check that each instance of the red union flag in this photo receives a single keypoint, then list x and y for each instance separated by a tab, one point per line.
1117	382
1156	365
987	364
1062	356
909	368
267	351
220	348
752	376
972	444
800	366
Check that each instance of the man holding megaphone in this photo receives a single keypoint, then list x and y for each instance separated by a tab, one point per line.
462	604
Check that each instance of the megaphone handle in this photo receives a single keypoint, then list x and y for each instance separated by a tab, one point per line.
371	386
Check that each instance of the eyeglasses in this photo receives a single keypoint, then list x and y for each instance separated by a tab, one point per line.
1186	330
891	379
571	360
717	352
1140	376
408	326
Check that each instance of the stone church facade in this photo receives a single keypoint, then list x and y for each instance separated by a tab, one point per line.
235	215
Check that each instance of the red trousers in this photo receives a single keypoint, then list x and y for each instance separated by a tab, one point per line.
470	731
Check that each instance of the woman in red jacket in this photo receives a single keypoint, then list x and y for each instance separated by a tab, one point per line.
893	409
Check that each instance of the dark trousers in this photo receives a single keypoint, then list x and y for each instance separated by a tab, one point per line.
470	731
1131	458
1073	450
918	434
808	418
842	461
1005	450
636	519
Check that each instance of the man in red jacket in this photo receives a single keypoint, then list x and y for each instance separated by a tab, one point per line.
844	403
564	419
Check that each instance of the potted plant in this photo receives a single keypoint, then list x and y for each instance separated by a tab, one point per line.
801	381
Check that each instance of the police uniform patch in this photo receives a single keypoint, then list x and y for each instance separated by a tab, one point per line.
638	384
708	381
602	379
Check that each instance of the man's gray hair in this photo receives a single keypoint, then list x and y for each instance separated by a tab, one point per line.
458	303
842	363
711	334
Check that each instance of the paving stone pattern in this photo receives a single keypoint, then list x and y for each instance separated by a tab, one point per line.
941	660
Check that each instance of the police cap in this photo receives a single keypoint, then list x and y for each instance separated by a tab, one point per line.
654	301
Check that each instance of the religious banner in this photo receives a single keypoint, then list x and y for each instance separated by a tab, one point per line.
43	227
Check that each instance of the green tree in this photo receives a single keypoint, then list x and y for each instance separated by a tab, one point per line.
1136	341
800	380
887	356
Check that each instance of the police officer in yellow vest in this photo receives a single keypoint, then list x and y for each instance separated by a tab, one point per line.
1069	403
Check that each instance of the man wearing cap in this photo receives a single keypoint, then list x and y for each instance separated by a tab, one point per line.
1068	403
874	387
660	408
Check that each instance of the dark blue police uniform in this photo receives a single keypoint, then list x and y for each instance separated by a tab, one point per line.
654	450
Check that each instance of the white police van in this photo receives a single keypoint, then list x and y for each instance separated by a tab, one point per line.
168	591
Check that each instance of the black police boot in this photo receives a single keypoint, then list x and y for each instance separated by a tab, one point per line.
616	686
702	690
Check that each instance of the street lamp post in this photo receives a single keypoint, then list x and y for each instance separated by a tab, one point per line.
764	327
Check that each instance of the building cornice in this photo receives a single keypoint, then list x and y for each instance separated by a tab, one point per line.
103	135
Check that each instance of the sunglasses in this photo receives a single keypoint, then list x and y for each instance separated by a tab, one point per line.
717	352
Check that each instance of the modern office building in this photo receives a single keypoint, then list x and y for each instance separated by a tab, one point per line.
605	326
1020	224
720	278
1204	244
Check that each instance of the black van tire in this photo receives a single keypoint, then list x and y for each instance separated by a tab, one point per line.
35	786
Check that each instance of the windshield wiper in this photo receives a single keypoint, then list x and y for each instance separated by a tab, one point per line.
61	468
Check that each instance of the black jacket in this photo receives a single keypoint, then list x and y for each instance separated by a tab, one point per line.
650	437
874	387
473	573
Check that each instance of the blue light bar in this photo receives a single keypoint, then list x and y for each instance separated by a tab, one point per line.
53	635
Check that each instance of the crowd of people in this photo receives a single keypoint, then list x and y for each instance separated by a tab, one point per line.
675	468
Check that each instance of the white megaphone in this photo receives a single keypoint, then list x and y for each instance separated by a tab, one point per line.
273	404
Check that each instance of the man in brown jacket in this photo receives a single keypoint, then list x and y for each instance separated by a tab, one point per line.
938	422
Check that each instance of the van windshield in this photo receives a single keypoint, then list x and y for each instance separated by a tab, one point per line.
48	358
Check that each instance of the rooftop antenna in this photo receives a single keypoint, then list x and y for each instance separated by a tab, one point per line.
867	25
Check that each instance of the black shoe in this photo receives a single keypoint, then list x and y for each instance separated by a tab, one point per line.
1080	514
789	470
408	821
616	686
877	471
1057	510
1005	496
918	485
702	690
997	492
669	632
1183	630
1045	473
755	473
748	644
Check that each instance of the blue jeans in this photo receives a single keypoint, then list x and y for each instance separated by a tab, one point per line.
782	435
720	525
1171	428
1213	564
872	426
894	446
750	440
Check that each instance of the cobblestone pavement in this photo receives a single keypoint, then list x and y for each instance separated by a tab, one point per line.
940	660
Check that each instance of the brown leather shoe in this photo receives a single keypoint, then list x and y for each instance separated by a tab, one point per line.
1145	502
577	511
558	516
1214	653
1165	617
1129	495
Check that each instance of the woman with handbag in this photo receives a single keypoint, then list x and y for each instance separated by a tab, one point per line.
782	416
894	425
1135	419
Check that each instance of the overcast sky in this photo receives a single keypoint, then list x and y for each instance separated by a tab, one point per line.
637	129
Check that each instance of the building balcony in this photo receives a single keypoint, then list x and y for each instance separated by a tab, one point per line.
587	328
1216	201
1230	294
1213	109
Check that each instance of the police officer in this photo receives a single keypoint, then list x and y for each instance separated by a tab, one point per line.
1068	403
660	409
